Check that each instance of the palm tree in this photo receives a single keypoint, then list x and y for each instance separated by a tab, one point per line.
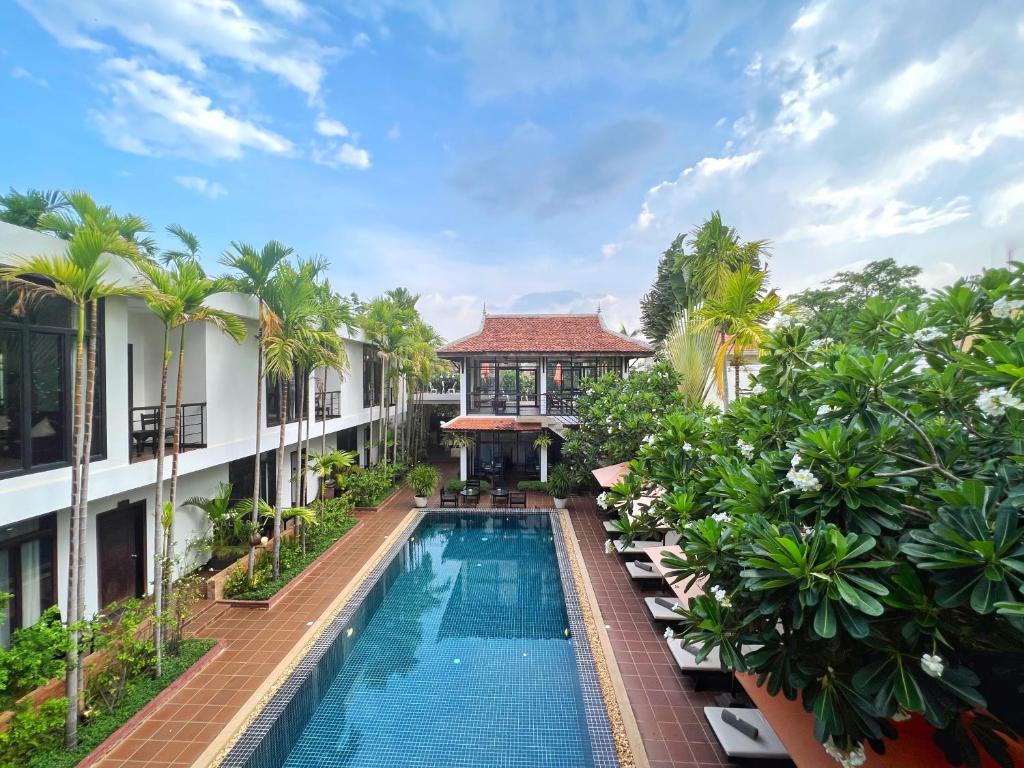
291	295
255	270
741	309
718	251
691	352
26	209
80	277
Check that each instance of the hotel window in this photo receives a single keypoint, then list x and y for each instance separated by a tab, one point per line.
568	375
37	342
275	394
26	572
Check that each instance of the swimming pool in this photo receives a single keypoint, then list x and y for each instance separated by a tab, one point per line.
465	647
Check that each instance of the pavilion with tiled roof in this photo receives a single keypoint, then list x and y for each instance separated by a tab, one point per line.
520	375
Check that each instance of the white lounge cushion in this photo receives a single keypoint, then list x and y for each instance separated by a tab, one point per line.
609	527
687	660
635	569
636	548
660	611
737	744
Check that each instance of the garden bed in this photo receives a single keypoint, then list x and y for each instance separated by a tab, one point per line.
336	521
92	734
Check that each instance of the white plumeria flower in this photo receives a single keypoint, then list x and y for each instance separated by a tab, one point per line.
795	461
746	449
805	531
670	633
932	664
609	547
803	479
758	389
649	439
1005	307
602	501
824	410
721	517
687	447
994	402
721	596
852	759
926	335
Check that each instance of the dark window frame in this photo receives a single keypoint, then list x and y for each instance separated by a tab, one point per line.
25	325
47	530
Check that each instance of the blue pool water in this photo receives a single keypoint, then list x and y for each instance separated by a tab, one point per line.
460	658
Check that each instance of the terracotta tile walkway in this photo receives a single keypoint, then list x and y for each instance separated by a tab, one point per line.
191	719
668	711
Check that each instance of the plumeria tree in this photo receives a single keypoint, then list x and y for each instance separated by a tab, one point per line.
859	520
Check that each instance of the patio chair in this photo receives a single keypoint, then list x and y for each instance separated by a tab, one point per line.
499	501
662	608
517	499
644	572
473	482
745	734
449	498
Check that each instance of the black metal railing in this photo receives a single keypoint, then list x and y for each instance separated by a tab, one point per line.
503	402
328	405
562	403
144	426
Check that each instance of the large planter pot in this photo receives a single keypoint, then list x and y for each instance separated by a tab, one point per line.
560	503
420	501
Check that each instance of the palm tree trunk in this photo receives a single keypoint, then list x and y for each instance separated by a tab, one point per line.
736	389
280	481
175	452
382	438
323	429
300	476
724	373
83	500
158	526
71	677
256	474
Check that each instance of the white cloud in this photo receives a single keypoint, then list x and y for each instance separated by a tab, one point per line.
610	249
346	154
394	132
293	9
20	73
327	127
152	113
734	164
644	218
1003	203
189	32
361	40
920	77
449	234
810	16
210	189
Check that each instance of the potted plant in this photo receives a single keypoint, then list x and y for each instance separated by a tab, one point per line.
543	440
423	479
561	486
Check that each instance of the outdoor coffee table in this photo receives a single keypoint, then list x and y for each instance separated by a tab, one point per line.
499	493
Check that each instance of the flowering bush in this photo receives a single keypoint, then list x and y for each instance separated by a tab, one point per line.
860	519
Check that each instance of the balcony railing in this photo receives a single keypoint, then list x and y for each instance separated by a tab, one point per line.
562	403
328	405
504	402
144	424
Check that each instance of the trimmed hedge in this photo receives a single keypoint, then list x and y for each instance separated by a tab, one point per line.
458	485
538	486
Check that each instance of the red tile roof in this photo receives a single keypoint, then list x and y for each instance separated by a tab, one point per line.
547	334
487	424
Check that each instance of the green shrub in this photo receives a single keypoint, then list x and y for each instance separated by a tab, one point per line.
368	487
32	730
458	485
35	656
423	479
129	653
560	482
334	519
537	486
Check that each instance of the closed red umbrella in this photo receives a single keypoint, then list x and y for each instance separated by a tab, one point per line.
558	374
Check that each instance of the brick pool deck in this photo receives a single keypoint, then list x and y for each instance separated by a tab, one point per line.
185	727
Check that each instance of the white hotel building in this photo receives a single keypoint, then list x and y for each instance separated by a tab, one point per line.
36	361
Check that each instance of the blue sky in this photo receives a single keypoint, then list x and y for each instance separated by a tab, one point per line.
536	156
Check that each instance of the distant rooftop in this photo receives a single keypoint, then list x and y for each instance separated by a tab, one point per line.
574	334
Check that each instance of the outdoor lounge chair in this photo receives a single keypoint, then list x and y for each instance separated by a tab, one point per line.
449	498
517	499
643	572
745	734
636	548
610	529
661	608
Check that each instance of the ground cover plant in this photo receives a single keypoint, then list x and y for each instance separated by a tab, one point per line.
859	517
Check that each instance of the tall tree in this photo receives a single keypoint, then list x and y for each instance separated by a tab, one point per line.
26	209
672	291
83	278
254	271
384	321
828	311
741	308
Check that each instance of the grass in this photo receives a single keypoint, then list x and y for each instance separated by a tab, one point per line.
140	692
319	539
